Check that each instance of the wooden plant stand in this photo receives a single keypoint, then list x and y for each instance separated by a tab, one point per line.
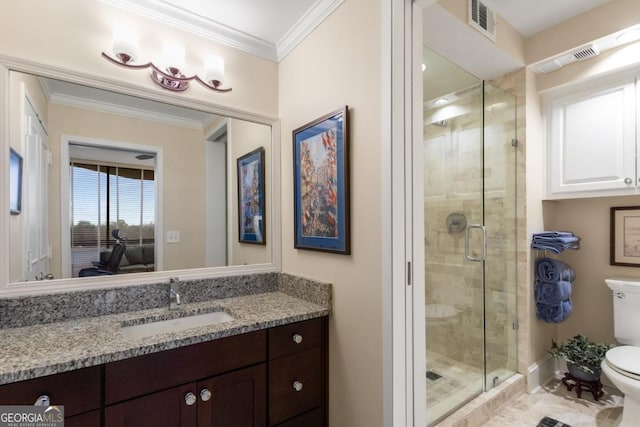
595	387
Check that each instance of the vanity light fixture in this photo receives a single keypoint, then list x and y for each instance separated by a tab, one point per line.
169	73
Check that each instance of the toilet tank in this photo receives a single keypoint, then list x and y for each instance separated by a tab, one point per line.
626	310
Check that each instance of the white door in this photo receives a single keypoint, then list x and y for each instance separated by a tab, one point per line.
36	162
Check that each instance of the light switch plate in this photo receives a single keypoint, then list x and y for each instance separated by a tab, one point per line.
173	236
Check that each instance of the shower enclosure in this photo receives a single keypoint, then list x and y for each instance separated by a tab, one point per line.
469	150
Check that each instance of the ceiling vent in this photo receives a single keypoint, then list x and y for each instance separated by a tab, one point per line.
586	53
482	19
560	61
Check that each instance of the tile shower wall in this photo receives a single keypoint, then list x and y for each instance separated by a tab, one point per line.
453	183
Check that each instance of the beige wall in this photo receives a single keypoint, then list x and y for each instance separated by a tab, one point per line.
592	301
584	28
245	137
77	31
340	64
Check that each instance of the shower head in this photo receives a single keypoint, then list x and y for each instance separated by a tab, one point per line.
441	123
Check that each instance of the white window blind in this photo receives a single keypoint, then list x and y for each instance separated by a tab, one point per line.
105	198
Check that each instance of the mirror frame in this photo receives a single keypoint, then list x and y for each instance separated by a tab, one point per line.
7	64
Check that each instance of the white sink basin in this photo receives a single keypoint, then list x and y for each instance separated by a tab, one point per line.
136	332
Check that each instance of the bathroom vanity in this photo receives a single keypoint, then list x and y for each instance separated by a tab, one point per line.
266	367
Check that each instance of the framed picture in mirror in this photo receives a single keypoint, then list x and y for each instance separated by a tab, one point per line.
321	184
251	213
15	182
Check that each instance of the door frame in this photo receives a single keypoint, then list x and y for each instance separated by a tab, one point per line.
65	193
403	280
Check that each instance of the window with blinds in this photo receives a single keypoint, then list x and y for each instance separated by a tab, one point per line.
105	198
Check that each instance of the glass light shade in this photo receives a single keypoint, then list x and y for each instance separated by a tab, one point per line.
213	68
125	42
173	56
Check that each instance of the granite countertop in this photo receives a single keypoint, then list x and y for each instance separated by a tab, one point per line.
49	348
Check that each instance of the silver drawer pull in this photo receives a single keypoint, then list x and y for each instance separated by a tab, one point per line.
297	338
297	385
190	399
205	395
42	401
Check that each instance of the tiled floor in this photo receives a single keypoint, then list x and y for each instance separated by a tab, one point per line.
456	384
556	402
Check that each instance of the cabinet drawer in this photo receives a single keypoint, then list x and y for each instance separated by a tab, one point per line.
305	368
282	339
310	419
78	391
134	377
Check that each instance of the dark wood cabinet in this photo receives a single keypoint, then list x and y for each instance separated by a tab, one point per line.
273	377
298	366
78	391
164	408
237	399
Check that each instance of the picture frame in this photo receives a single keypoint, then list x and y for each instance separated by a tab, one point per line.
321	184
251	213
625	236
15	182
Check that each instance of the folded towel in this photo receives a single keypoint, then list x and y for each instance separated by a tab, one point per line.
552	293
555	241
552	270
554	234
554	313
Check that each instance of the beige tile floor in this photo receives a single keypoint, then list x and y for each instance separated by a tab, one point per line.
556	402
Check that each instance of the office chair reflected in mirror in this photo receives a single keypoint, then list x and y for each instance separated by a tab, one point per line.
111	265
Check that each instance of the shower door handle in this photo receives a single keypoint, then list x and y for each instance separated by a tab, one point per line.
467	255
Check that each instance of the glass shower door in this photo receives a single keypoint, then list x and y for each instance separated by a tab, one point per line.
469	159
500	159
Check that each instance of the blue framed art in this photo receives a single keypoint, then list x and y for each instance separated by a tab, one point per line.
321	184
15	182
251	215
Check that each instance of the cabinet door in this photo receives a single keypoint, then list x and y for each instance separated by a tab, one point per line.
169	408
592	142
78	391
237	399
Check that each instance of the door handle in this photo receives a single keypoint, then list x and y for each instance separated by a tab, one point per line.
467	231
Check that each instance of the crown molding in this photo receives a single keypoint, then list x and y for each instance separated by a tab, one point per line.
305	26
197	24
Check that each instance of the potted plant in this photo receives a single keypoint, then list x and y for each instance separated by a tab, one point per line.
583	357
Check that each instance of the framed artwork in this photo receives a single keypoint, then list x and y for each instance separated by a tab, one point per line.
321	184
15	182
251	214
625	236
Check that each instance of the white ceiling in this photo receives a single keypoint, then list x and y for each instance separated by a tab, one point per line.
532	16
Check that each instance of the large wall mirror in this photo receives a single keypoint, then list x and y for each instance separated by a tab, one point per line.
103	169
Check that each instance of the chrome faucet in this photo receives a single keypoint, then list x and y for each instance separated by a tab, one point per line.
174	293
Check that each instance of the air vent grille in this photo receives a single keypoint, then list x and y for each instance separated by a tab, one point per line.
482	19
586	53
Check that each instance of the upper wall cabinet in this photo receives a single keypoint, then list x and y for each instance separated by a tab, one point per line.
591	140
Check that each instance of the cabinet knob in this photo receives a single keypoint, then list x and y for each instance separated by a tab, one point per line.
297	385
42	401
297	338
190	399
205	395
628	180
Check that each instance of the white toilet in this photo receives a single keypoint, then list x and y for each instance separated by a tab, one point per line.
622	364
